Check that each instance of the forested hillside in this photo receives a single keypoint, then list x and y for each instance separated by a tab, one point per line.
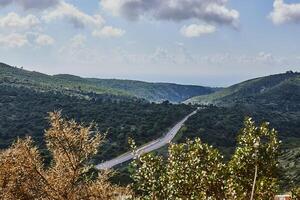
74	85
219	126
274	98
275	90
24	112
123	109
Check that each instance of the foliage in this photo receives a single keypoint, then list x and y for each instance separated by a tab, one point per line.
24	112
219	126
194	170
296	193
257	147
23	175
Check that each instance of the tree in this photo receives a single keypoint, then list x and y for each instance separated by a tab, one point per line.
296	193
69	176
193	170
253	167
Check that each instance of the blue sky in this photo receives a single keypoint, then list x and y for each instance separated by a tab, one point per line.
204	42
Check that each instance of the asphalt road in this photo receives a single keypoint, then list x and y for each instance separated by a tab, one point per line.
156	144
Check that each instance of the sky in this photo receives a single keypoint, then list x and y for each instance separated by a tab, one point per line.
202	42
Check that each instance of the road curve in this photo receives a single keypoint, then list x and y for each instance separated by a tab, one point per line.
156	144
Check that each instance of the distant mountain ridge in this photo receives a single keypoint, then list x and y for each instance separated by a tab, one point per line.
156	92
274	90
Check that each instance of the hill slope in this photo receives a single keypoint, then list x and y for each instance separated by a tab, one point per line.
274	90
74	85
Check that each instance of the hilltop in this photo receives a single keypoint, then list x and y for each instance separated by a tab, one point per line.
275	91
74	85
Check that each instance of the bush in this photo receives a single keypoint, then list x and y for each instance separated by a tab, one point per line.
296	193
256	157
194	170
69	176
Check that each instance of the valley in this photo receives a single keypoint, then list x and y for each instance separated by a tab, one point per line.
145	111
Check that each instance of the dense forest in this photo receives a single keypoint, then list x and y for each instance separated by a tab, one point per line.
219	125
24	112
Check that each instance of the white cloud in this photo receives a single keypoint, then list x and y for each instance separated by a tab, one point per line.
108	31
76	50
196	30
161	55
31	4
78	41
285	13
265	57
76	17
215	11
14	21
44	40
13	40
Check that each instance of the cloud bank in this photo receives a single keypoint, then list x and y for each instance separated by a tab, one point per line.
210	11
31	4
76	17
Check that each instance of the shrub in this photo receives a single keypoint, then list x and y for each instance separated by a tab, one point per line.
24	176
194	170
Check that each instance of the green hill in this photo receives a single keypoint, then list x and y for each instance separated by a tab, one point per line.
74	85
274	98
155	91
275	90
23	112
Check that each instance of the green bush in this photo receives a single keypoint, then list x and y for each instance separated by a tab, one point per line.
194	170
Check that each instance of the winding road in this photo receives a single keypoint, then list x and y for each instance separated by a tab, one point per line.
156	144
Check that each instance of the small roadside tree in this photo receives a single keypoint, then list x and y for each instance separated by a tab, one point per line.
252	170
193	170
296	193
23	175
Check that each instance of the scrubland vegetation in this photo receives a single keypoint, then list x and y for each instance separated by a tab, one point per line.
192	170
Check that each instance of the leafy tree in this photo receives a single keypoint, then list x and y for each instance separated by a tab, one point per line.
296	193
253	167
23	175
193	170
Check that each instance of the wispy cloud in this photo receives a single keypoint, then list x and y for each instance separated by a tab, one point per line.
196	30
13	40
44	40
109	32
14	21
